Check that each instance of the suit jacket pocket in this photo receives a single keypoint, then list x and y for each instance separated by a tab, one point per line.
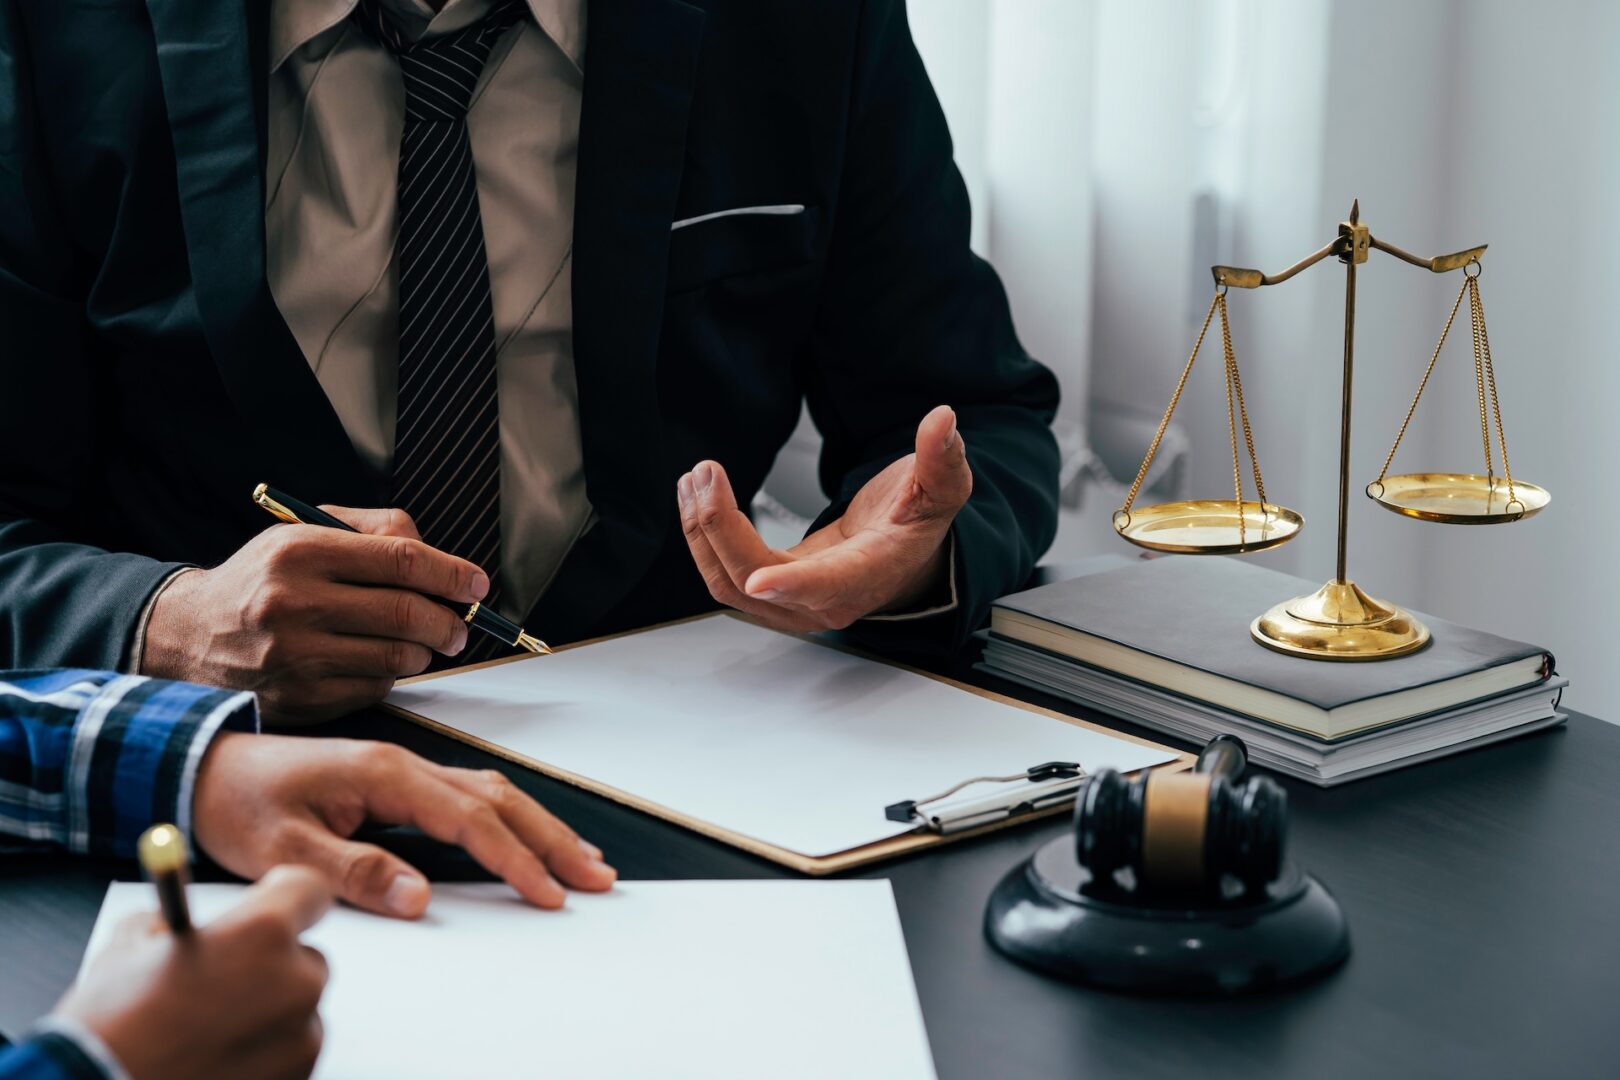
732	244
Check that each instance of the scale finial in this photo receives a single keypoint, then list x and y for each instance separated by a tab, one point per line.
1355	211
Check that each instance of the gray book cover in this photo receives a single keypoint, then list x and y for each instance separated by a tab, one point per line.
1196	610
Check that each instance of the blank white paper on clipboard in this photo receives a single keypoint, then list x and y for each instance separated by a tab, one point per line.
765	734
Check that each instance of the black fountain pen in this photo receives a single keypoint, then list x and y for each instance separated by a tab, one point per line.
491	622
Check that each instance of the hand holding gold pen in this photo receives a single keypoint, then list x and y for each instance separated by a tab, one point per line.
296	512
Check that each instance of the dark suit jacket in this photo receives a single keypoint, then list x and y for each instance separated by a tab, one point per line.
147	381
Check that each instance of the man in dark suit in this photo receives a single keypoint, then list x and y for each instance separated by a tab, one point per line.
556	307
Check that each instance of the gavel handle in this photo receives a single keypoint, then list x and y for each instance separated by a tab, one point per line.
1224	755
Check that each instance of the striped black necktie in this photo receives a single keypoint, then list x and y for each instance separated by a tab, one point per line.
447	465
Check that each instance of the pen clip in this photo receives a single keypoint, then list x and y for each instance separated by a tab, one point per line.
910	810
262	497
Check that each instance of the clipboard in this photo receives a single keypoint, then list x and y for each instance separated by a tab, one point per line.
813	865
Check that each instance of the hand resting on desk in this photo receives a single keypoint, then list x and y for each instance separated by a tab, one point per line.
262	800
319	622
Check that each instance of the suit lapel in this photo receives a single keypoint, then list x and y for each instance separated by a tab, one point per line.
641	58
213	61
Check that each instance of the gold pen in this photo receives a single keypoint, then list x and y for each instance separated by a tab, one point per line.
163	854
490	621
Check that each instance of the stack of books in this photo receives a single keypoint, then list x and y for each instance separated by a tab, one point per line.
1165	643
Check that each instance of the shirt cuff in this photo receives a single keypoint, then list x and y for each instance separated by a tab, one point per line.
937	609
137	747
61	1047
137	642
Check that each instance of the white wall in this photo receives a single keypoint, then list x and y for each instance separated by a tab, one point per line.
951	36
1038	160
1143	154
1534	155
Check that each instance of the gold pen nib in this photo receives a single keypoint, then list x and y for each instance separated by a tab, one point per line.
533	644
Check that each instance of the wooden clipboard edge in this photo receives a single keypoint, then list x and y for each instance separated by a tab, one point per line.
813	865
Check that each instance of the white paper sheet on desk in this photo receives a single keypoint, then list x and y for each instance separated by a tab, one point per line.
676	979
762	733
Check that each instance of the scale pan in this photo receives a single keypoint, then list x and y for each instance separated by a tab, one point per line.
1208	526
1458	498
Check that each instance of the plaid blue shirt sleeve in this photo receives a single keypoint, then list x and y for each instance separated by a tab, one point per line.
90	759
60	1049
48	1057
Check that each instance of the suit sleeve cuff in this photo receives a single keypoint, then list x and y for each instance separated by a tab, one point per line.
136	653
944	607
61	1048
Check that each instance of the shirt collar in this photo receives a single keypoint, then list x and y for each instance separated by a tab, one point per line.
295	23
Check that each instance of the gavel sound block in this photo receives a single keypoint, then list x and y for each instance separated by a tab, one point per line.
1172	883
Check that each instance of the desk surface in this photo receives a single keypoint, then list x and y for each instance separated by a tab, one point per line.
1480	890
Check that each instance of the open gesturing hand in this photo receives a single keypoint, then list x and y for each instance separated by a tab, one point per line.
886	553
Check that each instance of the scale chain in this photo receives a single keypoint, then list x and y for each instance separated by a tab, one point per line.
1231	423
1490	379
1234	391
1423	385
1164	423
1236	408
1243	413
1479	380
1485	387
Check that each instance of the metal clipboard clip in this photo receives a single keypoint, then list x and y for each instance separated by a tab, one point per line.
1036	788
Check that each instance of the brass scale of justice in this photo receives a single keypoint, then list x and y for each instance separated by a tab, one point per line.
1339	621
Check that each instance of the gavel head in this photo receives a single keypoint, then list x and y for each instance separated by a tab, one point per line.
1181	831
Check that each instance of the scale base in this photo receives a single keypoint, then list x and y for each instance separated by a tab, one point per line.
1049	914
1339	622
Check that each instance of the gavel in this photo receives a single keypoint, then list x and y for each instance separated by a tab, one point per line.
1184	832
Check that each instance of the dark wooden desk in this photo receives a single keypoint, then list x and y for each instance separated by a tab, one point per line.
1482	893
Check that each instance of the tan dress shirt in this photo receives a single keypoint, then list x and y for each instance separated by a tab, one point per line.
336	109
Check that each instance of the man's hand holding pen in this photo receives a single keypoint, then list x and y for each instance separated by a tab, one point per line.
318	621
